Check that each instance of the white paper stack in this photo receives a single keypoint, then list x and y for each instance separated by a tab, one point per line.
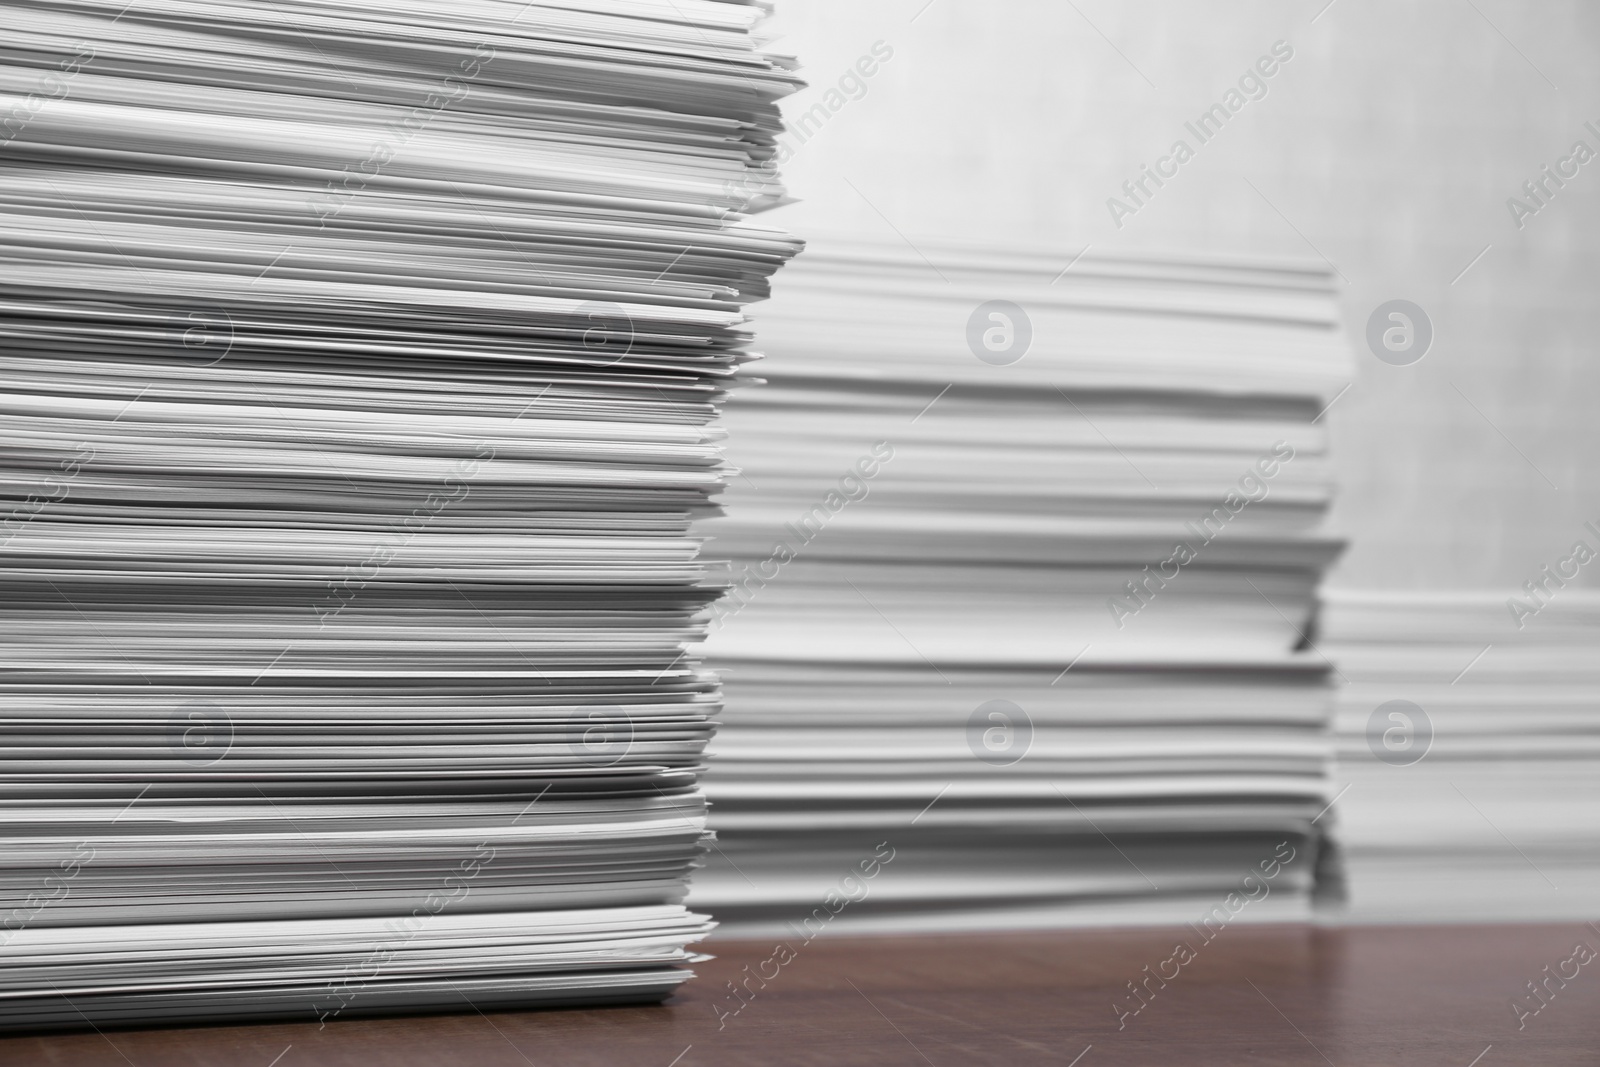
361	366
1469	750
933	644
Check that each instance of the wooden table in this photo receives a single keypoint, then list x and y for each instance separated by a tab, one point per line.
1415	996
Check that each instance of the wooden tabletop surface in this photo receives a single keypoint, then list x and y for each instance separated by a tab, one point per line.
1414	996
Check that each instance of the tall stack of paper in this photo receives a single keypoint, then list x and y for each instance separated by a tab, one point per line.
1469	748
361	363
1025	564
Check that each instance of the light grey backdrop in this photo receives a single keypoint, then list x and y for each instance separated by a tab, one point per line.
1388	144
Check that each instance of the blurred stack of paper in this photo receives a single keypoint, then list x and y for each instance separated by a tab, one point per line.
1469	751
1034	626
361	366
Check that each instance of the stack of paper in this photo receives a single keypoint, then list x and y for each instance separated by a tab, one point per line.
361	363
1025	564
1469	749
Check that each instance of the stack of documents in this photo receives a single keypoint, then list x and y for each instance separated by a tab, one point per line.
361	366
1469	749
1026	551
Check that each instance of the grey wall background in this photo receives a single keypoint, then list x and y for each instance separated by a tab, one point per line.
1389	145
